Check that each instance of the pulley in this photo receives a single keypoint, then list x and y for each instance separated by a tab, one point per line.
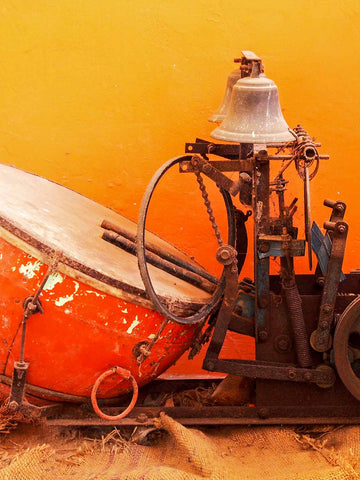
254	114
347	347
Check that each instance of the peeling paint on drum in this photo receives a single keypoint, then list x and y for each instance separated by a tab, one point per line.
82	332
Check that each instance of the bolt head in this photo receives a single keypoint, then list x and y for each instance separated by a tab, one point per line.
263	302
13	406
263	412
327	309
264	247
291	374
142	418
225	254
283	345
32	307
263	335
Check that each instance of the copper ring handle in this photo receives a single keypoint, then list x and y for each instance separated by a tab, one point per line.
126	374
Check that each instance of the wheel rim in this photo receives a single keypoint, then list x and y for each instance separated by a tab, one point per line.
206	309
347	329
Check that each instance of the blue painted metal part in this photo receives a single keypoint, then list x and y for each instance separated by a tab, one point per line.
321	245
276	247
246	299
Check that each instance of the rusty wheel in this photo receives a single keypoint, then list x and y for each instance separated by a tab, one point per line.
347	348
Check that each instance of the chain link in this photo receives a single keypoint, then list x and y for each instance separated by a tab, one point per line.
209	209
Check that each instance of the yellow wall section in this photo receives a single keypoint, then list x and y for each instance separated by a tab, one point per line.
97	94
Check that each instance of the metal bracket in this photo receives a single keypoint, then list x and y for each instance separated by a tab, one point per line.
280	246
199	164
227	256
203	147
321	245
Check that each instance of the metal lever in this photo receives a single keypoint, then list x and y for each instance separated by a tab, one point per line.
320	338
307	208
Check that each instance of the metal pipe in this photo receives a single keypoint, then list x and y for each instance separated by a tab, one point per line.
159	262
160	252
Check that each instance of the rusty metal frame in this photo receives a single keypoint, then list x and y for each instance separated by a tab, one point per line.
244	157
67	415
219	415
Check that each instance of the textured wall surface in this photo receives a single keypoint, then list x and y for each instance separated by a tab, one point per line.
96	95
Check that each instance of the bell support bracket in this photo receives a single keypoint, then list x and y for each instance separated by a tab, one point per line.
199	164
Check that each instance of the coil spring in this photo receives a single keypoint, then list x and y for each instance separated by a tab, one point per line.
294	306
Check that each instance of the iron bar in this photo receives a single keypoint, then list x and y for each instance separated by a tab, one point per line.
162	252
159	262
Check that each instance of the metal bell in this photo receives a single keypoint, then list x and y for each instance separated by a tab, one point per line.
254	114
220	113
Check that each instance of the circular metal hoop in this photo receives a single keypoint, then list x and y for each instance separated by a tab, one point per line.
126	374
206	309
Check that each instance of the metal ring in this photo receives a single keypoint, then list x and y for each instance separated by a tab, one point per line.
126	374
206	309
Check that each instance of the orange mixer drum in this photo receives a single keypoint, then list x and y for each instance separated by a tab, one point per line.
95	310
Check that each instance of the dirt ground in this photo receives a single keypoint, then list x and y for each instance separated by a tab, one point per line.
178	453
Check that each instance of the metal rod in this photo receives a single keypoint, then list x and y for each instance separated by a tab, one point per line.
290	157
307	214
159	262
23	335
161	252
32	305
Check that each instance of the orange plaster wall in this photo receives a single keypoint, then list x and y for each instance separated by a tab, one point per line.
97	95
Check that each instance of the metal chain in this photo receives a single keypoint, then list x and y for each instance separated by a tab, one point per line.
209	209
